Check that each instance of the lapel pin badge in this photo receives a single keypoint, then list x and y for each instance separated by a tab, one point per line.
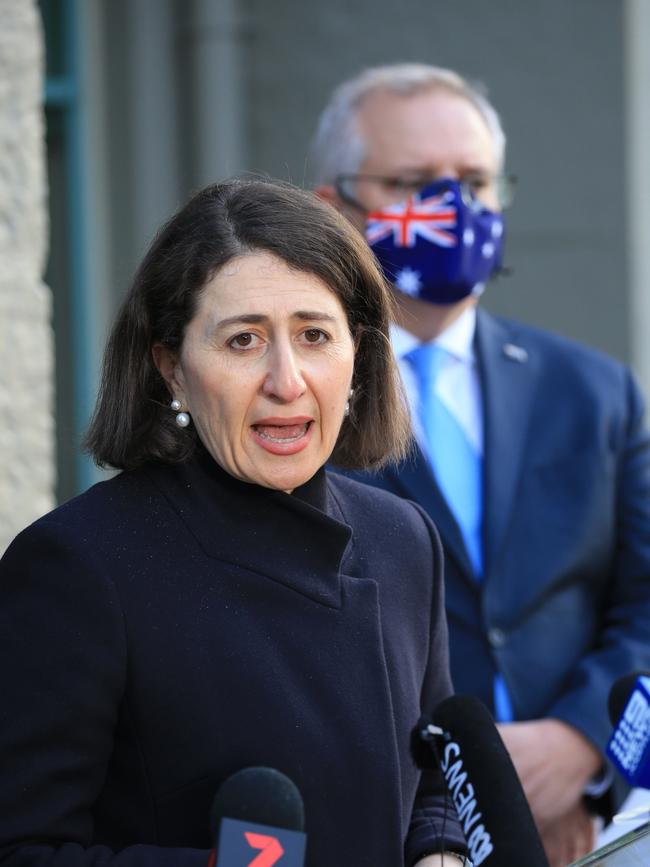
514	352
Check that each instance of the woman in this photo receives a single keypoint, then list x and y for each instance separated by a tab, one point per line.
223	602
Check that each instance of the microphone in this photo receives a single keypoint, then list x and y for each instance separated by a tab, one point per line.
464	743
629	712
257	819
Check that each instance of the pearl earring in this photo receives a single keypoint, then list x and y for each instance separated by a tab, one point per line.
182	418
346	411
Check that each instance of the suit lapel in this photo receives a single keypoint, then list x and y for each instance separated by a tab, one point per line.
508	371
415	480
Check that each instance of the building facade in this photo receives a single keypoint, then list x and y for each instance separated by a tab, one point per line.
147	100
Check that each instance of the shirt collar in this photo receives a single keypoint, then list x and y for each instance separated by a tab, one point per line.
457	339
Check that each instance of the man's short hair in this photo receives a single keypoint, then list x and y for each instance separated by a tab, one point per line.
338	146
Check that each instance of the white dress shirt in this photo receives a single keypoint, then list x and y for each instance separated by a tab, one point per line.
457	383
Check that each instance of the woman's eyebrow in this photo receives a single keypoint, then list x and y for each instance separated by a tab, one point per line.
260	318
313	315
243	318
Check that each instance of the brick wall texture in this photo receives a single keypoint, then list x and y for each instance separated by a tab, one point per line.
26	341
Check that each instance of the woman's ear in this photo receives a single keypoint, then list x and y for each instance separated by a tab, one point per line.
166	360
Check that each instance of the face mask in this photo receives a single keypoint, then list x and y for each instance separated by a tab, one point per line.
436	246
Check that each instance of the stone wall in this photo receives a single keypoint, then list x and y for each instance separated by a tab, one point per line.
26	371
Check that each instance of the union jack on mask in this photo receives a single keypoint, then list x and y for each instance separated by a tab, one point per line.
436	247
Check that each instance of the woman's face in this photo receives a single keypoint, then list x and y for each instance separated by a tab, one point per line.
264	370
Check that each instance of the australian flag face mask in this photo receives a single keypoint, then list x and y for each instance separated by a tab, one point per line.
440	245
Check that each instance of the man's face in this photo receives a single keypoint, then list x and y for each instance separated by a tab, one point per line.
412	140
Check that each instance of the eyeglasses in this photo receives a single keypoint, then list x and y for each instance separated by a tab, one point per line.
400	188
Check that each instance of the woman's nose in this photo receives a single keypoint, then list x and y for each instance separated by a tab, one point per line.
283	380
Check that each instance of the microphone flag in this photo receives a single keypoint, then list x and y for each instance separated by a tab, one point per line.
257	820
247	844
629	745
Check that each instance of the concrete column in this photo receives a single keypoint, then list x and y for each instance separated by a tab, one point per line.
26	370
213	36
637	37
152	118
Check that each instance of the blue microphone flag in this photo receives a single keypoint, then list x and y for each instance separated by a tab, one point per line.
629	745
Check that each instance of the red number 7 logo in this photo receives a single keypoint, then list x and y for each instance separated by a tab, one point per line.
271	852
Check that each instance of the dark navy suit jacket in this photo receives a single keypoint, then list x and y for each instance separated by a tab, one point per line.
563	609
173	625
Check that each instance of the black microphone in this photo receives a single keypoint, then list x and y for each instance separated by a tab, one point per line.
629	712
255	811
463	742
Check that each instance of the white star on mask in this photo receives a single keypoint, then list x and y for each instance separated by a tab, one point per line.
408	281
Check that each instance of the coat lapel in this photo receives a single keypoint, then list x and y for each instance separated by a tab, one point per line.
508	370
227	515
415	480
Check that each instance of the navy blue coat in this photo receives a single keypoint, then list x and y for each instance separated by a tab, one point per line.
173	625
564	607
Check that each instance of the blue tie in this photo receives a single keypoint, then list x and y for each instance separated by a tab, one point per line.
456	463
458	469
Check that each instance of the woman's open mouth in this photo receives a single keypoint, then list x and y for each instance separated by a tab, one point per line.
282	436
282	433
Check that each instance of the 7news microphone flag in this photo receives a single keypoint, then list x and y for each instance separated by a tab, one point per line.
257	820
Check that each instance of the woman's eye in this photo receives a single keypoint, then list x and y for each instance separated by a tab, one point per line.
315	336
246	340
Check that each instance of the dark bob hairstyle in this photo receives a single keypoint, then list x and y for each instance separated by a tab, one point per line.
133	423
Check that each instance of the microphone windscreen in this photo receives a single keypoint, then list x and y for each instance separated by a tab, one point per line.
261	796
484	786
620	693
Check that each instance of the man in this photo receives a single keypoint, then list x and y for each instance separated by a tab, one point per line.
542	491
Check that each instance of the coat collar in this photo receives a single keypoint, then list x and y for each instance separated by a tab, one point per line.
292	538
